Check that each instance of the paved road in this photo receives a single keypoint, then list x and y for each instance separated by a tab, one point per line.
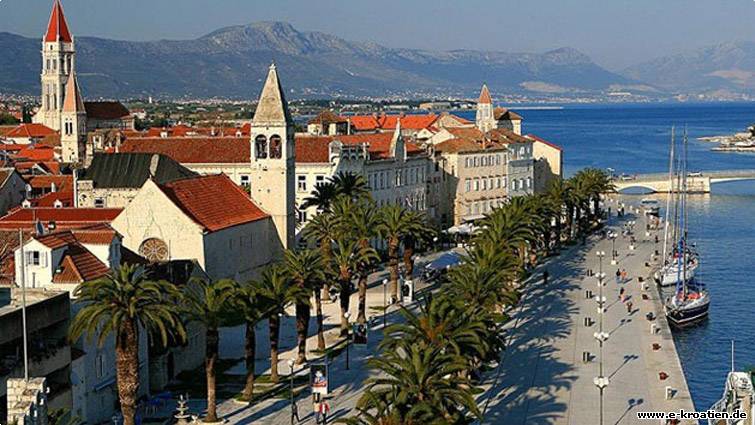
544	380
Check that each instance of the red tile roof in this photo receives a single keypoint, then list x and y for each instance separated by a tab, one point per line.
79	265
36	153
50	166
327	116
62	182
106	110
388	122
57	28
506	114
485	95
64	218
314	149
194	150
541	140
49	199
214	201
30	130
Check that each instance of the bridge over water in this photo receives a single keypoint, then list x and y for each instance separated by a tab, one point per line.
698	182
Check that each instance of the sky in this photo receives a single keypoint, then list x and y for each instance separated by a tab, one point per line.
615	33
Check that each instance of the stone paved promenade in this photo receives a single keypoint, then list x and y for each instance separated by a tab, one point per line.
544	379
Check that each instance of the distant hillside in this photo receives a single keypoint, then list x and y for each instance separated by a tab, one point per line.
720	69
231	62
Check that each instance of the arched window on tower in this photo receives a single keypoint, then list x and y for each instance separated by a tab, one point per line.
275	146
260	147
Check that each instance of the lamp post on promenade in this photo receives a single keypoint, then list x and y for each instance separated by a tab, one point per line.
601	381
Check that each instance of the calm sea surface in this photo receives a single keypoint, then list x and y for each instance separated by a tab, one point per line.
635	139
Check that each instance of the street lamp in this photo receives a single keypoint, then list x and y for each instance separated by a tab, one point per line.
612	236
348	338
385	286
601	381
293	406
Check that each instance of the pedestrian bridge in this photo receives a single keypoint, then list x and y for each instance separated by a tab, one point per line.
698	182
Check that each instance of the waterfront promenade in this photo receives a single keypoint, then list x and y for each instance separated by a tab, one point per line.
544	379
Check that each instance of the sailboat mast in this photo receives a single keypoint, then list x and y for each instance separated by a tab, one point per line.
668	197
683	241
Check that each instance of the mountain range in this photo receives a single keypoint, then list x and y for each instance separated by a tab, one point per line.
231	63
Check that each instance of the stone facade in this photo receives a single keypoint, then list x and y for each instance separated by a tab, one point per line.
27	401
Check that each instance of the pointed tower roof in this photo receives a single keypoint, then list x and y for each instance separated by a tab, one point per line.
485	95
272	106
395	139
72	101
57	28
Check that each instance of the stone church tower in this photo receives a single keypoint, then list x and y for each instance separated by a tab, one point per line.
484	118
272	180
73	134
58	54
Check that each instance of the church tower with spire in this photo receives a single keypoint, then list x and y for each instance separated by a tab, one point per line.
58	54
73	133
484	118
272	156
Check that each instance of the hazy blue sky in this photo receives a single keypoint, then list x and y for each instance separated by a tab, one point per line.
615	33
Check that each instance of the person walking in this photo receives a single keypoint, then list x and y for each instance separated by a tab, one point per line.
629	307
621	294
545	277
624	275
618	276
317	408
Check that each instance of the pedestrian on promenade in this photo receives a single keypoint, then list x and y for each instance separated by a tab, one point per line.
545	277
621	294
629	307
623	275
316	407
618	276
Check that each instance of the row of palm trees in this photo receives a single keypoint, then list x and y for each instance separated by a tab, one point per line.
128	301
430	365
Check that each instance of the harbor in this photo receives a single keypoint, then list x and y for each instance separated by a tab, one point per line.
554	336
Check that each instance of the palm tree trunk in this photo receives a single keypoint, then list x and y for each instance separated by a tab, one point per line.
344	300
274	322
320	327
211	357
302	326
127	369
393	267
362	316
250	351
325	251
409	257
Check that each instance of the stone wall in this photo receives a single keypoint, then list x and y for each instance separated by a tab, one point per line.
27	401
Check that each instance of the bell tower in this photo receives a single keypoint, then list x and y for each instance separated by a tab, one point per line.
272	156
484	118
73	133
58	55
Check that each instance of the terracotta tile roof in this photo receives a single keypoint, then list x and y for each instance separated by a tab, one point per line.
485	95
30	130
36	153
466	132
504	135
49	199
57	28
12	147
79	265
64	218
541	140
182	130
62	182
314	149
106	110
466	145
505	114
57	239
193	150
5	129
327	116
214	201
52	167
388	122
73	101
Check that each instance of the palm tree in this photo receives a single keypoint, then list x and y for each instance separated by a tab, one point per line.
121	303
360	220
511	226
396	223
419	384
255	310
558	192
354	186
348	256
324	228
418	230
277	291
321	197
209	302
305	269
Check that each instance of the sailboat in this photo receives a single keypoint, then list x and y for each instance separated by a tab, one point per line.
674	270
691	300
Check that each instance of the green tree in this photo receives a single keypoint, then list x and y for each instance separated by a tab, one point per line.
120	304
278	291
324	229
305	269
396	225
348	255
255	310
210	302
